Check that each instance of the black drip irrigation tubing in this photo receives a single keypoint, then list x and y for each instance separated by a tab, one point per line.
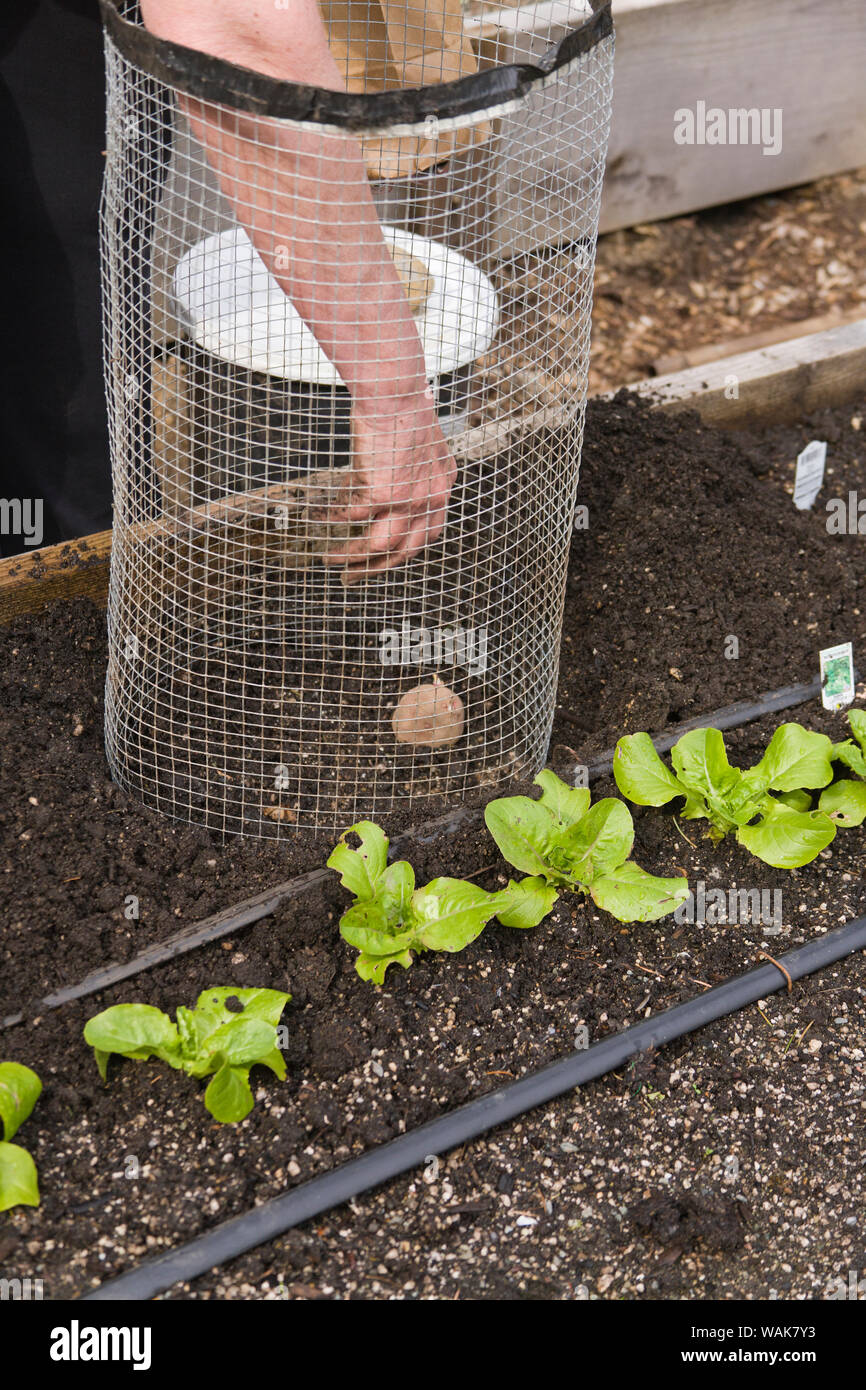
215	928
234	1237
251	910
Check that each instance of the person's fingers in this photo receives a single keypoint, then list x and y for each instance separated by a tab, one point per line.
396	533
433	524
351	503
360	500
386	533
420	535
355	574
433	489
357	511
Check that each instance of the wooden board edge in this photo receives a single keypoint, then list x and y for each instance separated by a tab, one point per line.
71	569
680	359
769	385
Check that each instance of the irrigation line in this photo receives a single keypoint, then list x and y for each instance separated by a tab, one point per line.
231	919
232	1238
251	910
222	924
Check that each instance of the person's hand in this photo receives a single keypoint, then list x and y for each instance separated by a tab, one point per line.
399	482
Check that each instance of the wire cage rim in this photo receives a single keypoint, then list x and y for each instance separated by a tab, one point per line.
468	98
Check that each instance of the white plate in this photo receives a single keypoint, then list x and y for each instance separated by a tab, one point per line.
236	310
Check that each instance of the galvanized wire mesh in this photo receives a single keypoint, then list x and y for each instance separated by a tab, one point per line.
249	687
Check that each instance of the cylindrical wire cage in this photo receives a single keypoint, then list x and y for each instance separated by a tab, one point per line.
346	336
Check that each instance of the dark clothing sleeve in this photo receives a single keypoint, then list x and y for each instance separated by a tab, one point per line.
53	434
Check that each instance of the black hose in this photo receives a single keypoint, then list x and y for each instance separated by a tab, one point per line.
319	1195
251	910
214	928
224	923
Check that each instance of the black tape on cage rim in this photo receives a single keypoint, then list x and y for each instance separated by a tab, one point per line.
212	79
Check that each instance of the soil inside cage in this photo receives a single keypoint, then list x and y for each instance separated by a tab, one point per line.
693	537
258	692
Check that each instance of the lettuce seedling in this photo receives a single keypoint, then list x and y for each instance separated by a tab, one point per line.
209	1040
845	801
391	918
567	843
20	1088
779	829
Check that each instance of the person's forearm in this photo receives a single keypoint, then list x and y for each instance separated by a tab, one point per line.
304	198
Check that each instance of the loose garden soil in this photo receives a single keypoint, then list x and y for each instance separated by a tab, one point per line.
728	1166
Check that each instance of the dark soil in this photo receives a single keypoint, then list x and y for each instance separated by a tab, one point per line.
728	1166
692	540
266	672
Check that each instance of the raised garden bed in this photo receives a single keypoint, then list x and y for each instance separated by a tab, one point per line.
692	538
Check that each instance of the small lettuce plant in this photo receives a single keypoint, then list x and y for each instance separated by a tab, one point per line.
210	1040
391	920
567	843
845	800
20	1088
766	807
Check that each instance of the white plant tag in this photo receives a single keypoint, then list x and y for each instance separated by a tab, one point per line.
837	676
810	474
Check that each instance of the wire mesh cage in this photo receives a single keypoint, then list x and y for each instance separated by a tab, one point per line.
346	336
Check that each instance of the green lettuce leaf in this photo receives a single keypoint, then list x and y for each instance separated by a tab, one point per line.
395	890
640	773
844	802
372	968
525	831
212	1038
19	1183
449	913
20	1088
787	839
240	1043
266	1004
857	720
851	756
366	927
361	869
229	1097
527	903
630	894
797	800
796	758
566	804
600	842
701	763
138	1031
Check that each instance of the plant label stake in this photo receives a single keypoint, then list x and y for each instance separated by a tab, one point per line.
809	477
837	676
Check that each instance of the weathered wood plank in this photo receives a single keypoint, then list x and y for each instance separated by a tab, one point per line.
72	569
750	342
780	382
806	59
